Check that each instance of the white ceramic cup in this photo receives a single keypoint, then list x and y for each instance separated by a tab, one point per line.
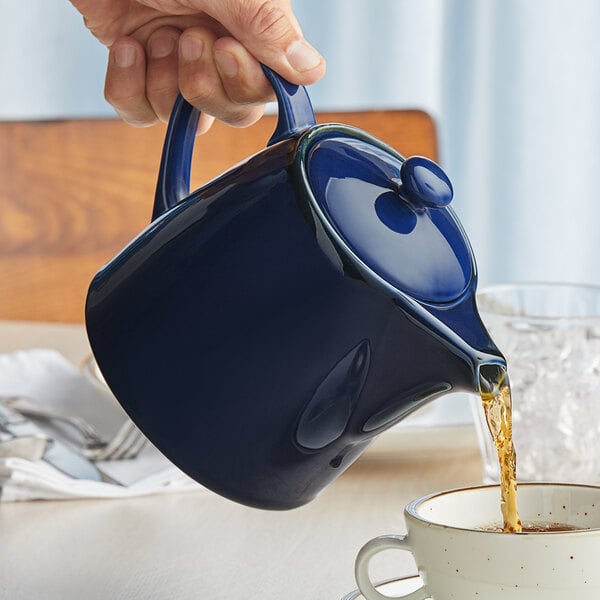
458	559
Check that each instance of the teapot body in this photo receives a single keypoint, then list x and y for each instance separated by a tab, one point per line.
265	328
245	352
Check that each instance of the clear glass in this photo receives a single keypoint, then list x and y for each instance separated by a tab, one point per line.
550	336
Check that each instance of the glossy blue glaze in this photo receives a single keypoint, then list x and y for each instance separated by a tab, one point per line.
358	184
295	109
424	183
176	162
249	340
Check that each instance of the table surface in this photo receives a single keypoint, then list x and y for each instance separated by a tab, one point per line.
199	545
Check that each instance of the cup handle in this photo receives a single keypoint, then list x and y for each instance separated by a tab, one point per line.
361	567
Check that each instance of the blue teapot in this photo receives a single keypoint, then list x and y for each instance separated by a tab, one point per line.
266	327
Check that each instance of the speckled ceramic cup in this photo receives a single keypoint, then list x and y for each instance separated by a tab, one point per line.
460	555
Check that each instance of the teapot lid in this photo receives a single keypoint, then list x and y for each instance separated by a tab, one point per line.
390	215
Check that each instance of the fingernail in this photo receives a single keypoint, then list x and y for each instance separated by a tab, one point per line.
227	63
302	56
191	48
161	46
124	56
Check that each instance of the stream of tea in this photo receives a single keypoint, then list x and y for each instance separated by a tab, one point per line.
497	405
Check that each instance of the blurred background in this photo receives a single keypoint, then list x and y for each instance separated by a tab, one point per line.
513	85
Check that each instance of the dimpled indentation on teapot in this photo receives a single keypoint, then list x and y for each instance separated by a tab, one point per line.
325	417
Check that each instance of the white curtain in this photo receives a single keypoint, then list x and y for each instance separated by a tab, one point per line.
50	66
514	86
520	124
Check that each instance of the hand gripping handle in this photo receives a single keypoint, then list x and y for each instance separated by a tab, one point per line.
295	115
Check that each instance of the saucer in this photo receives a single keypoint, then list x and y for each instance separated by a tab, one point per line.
394	587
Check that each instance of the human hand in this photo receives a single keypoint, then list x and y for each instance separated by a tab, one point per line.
210	50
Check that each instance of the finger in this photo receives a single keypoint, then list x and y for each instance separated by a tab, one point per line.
241	75
125	85
162	83
201	85
205	123
268	29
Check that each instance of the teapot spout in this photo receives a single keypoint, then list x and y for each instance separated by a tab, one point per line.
491	377
462	331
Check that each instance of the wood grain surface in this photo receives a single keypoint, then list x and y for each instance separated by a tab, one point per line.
73	193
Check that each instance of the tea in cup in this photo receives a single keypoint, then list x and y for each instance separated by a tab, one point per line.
461	551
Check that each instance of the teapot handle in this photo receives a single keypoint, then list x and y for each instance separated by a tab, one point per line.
295	115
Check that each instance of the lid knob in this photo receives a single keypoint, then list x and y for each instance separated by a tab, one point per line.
424	183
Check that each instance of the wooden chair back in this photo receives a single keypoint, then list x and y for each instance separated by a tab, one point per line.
73	193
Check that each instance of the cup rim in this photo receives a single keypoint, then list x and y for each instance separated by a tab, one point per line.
412	507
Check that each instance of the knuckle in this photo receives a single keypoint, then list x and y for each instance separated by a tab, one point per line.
118	95
113	94
266	20
196	89
160	92
244	96
137	119
131	107
162	102
160	82
243	117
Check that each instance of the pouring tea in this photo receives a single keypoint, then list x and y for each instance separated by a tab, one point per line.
266	327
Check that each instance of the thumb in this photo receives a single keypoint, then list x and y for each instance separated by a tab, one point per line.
270	32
